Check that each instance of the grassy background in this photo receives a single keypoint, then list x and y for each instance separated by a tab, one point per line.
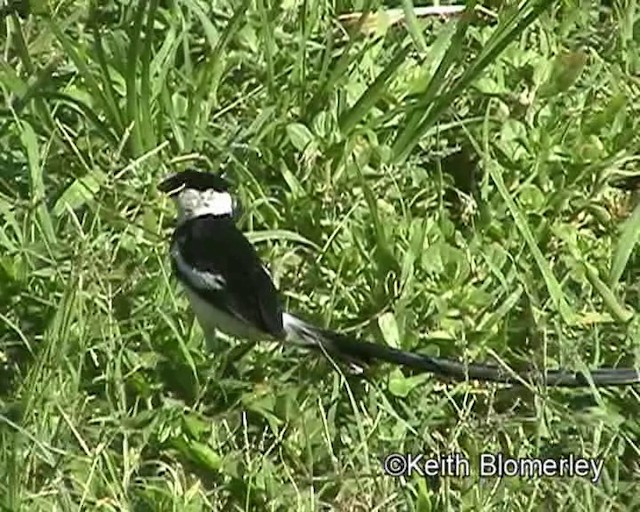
461	187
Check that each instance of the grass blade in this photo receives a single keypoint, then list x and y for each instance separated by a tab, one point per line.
504	34
133	107
30	143
350	118
624	248
618	310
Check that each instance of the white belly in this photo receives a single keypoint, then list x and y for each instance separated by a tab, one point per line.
212	319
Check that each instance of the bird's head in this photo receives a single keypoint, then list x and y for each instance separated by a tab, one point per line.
197	193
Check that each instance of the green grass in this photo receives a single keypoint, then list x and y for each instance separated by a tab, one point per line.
461	187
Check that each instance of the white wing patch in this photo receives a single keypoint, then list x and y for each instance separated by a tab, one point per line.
198	278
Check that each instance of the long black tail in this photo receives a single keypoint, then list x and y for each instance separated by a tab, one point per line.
363	352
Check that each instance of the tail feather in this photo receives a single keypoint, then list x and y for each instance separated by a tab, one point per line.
366	353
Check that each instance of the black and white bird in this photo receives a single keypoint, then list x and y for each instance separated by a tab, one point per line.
230	290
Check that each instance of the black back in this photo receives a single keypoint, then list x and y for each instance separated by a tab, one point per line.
214	244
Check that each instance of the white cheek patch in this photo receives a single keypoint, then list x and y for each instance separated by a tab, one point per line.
192	203
198	278
218	203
